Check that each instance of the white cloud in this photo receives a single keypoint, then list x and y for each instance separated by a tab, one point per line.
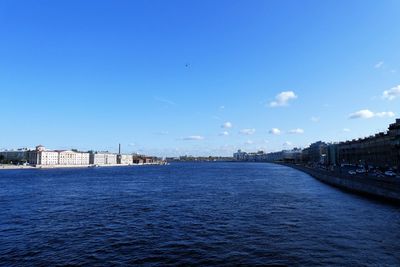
247	131
162	133
367	114
249	142
287	143
378	65
193	138
315	119
296	131
227	125
388	114
164	101
392	93
224	133
346	130
275	131
283	98
364	114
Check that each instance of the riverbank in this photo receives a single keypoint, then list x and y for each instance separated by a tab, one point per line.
382	188
31	167
15	167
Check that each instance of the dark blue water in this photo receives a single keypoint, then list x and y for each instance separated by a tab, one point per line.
190	214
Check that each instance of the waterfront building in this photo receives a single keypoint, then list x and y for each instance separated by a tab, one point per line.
69	157
315	153
293	155
305	155
240	155
256	156
102	158
148	160
19	155
379	150
138	161
252	156
275	156
41	156
124	159
332	155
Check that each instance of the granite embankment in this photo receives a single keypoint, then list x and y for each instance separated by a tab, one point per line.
385	188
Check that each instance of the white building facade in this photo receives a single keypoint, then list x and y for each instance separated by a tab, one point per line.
41	156
125	159
68	157
98	158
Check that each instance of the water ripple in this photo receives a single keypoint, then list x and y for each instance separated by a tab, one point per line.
200	214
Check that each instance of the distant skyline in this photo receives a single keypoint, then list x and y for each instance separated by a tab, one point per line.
171	78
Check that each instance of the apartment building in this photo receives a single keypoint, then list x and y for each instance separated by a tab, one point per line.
124	159
102	158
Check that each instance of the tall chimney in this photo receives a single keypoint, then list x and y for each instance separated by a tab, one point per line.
119	149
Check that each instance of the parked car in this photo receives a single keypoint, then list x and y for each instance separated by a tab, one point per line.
390	173
351	172
361	170
370	167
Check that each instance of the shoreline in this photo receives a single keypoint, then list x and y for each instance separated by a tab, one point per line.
386	189
30	167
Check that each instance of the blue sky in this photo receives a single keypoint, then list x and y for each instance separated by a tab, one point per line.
196	77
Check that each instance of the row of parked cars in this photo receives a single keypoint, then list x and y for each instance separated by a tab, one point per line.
372	171
353	169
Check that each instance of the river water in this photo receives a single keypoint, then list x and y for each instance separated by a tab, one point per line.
190	214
